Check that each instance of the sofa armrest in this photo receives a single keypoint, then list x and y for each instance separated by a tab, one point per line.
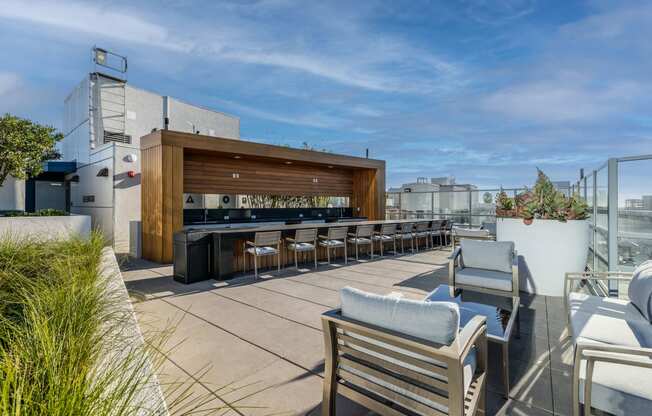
452	264
469	335
515	283
607	353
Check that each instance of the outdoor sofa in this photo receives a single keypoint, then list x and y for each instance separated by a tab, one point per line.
612	337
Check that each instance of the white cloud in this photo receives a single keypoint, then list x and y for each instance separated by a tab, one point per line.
367	61
560	101
311	119
91	19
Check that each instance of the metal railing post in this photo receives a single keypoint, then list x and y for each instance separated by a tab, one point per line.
612	233
594	179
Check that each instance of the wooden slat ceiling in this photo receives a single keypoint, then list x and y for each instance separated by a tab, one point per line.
213	173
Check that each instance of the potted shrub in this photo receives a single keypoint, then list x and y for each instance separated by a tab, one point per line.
550	232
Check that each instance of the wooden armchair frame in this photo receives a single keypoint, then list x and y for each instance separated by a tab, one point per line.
346	341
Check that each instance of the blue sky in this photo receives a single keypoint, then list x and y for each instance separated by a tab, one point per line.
482	90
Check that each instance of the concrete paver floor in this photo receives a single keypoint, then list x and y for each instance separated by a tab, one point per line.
255	347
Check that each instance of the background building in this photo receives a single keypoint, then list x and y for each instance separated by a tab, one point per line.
104	118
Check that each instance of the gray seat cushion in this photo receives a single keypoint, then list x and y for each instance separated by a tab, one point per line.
301	246
640	289
359	240
488	255
468	232
488	279
331	243
608	320
262	251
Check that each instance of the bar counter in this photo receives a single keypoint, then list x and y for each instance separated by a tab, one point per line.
225	247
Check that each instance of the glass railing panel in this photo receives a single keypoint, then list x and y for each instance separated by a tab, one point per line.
634	213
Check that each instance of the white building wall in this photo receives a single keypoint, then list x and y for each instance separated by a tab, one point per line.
116	206
144	113
126	193
97	188
76	128
12	194
184	116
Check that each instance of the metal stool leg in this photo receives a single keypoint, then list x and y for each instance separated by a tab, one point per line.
255	267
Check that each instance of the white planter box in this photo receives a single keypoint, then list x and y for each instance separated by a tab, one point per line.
548	249
45	228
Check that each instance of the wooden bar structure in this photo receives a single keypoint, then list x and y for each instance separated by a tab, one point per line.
174	163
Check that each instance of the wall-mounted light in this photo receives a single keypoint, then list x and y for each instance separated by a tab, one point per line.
330	166
237	157
236	175
315	180
287	162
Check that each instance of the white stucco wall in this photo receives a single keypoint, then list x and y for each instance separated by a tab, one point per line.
99	187
12	194
207	122
126	192
45	228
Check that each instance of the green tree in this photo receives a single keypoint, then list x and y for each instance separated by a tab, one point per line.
24	146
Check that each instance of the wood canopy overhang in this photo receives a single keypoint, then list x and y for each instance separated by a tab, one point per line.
174	163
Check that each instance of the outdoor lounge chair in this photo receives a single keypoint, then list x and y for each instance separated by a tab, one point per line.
400	356
485	266
613	342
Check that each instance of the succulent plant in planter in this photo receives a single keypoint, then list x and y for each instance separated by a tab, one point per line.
504	205
544	202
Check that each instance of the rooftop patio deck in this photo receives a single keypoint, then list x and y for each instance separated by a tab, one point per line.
256	347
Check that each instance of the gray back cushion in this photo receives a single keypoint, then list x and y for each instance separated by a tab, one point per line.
488	255
433	321
467	232
640	289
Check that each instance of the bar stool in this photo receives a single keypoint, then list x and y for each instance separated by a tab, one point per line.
435	231
405	233
421	231
362	237
336	238
303	242
386	234
261	247
447	229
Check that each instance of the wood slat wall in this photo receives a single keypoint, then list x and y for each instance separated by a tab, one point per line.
151	203
162	200
368	193
174	163
213	174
